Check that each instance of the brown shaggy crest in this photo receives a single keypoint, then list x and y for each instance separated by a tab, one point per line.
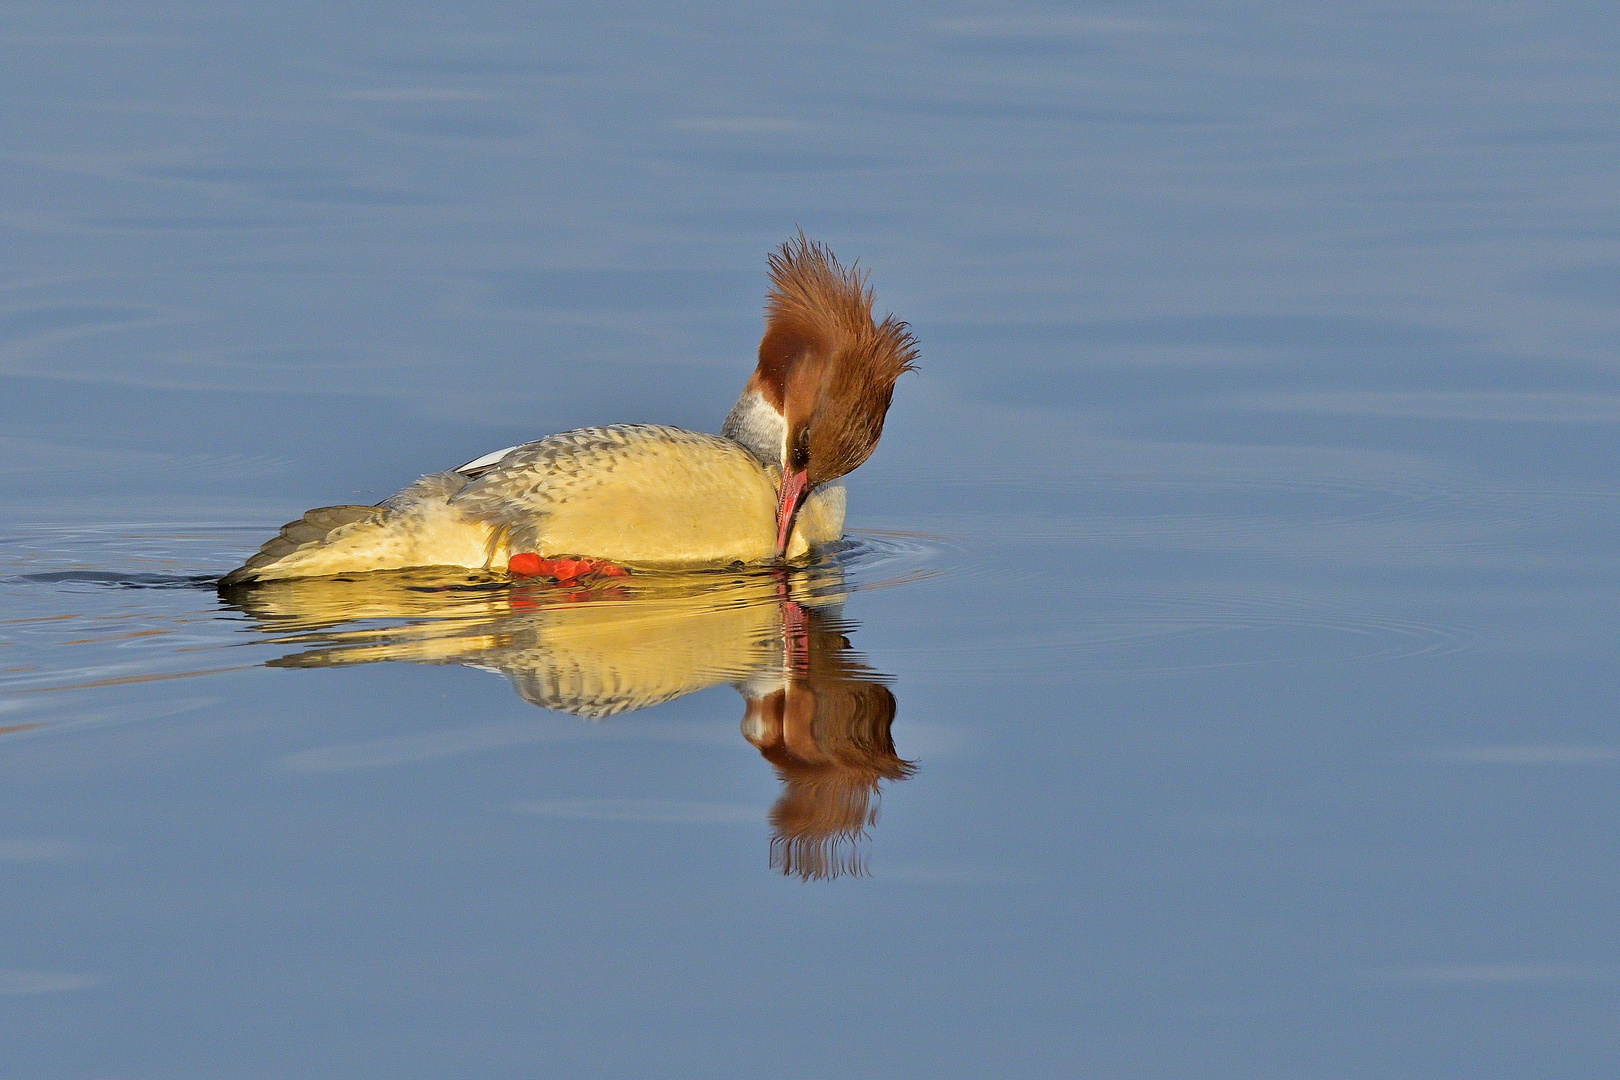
827	734
823	362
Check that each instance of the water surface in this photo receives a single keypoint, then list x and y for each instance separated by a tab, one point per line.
1219	678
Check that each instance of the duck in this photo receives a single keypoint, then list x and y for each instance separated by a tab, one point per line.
598	501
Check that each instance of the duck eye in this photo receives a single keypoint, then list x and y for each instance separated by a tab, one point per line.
799	460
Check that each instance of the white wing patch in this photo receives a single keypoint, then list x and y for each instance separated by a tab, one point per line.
482	464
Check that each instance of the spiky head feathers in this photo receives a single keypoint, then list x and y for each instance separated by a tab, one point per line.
824	364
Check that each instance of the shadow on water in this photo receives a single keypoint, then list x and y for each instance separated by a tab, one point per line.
814	709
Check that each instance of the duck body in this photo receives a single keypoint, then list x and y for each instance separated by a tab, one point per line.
633	495
768	487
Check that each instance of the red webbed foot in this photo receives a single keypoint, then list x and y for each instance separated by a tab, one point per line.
564	569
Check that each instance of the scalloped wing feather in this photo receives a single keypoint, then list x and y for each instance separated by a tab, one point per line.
637	494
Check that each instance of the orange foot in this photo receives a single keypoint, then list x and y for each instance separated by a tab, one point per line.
565	569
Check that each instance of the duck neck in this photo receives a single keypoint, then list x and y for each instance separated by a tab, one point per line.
757	427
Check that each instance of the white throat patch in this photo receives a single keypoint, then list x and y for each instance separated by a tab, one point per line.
758	427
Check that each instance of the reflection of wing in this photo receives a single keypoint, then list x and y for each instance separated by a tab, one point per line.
426	596
592	652
599	659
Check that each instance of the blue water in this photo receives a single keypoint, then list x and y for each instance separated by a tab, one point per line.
1220	681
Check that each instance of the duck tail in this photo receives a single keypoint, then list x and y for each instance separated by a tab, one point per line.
317	528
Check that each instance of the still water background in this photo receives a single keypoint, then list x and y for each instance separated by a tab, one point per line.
1263	455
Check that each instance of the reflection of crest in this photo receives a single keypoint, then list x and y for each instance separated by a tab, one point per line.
826	730
813	708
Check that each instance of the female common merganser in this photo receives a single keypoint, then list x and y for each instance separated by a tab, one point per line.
597	500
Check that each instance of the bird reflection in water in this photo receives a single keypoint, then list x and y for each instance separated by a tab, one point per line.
813	708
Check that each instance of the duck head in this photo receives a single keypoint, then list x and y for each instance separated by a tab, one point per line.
815	404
